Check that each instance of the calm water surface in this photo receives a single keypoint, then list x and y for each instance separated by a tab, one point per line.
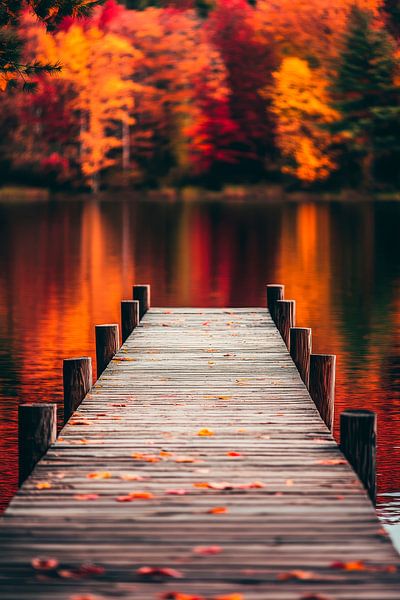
65	266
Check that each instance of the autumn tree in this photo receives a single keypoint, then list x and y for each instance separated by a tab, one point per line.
300	103
311	30
180	74
366	95
101	96
249	63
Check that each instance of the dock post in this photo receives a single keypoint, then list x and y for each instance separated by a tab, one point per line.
300	351
322	385
358	444
107	344
129	317
275	292
77	381
285	318
142	293
37	430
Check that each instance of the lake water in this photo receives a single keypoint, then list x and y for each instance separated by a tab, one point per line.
65	266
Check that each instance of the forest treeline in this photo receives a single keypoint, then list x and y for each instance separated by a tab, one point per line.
208	92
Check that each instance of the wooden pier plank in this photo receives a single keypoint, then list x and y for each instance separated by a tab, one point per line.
180	372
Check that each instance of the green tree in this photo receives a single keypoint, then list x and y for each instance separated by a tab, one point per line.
13	66
366	96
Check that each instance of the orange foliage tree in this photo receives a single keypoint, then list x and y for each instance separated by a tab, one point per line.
310	30
300	103
180	74
98	65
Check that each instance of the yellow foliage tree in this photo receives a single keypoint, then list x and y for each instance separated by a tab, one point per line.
99	66
300	104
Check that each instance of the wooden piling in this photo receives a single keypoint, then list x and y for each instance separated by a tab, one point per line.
107	344
77	381
300	351
37	430
142	294
285	318
322	385
129	317
358	444
275	292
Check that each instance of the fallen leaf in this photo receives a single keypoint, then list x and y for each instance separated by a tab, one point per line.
159	572
150	458
43	485
99	475
131	477
296	575
217	510
179	596
207	550
289	482
44	563
204	432
251	485
355	565
177	492
131	497
234	454
86	496
185	459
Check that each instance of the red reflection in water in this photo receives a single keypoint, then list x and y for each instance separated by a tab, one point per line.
66	266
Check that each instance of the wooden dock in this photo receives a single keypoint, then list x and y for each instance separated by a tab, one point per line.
197	468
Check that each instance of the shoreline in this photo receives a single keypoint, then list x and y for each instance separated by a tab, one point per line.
233	194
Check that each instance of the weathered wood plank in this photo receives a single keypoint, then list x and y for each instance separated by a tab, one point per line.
293	506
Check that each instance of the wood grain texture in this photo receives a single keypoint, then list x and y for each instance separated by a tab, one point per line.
129	317
37	430
358	444
107	344
285	318
322	385
293	505
77	381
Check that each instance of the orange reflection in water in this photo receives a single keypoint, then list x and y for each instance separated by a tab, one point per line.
65	266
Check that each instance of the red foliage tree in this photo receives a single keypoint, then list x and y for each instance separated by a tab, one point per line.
249	62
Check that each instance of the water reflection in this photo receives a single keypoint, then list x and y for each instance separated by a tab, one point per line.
65	266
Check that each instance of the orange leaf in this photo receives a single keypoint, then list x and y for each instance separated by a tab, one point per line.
159	571
99	475
234	454
43	485
179	596
86	496
355	565
296	575
217	510
131	477
204	432
150	458
207	550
